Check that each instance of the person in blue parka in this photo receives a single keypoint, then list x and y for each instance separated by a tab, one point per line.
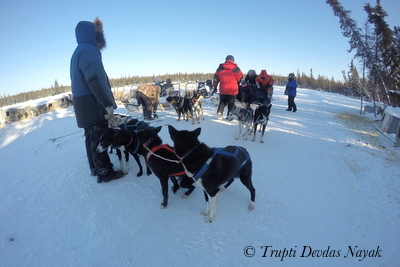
291	88
93	101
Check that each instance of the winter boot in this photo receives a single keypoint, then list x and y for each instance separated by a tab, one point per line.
111	175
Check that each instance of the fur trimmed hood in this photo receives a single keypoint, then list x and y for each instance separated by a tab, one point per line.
100	41
91	33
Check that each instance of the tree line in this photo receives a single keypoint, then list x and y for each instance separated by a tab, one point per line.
377	49
305	81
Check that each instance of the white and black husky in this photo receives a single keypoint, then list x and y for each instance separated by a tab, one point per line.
261	117
244	116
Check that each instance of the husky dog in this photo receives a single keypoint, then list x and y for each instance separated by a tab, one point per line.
121	139
197	107
183	107
164	163
212	167
244	116
261	117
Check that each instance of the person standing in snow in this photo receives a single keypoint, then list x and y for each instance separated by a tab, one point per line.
93	100
291	88
228	75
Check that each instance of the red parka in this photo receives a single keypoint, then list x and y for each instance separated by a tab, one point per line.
264	79
228	75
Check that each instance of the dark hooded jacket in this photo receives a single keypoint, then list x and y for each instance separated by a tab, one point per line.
89	82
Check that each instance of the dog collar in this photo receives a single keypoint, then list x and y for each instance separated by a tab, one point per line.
130	142
146	145
190	151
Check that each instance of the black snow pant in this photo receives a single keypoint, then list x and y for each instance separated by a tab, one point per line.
226	100
99	163
291	104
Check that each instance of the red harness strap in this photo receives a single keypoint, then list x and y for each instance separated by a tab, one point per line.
170	149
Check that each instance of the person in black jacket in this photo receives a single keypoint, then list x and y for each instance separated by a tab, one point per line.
245	95
251	77
92	97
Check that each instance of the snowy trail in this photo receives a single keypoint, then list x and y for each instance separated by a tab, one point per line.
324	178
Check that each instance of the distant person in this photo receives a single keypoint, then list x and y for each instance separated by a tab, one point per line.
245	95
93	100
263	93
251	77
148	96
228	76
291	88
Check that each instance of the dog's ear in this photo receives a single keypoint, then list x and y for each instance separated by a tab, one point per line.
158	129
171	129
197	132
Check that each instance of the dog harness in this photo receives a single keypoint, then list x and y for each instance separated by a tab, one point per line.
136	125
221	151
262	118
152	152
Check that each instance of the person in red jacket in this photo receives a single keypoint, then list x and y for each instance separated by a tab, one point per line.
264	82
228	76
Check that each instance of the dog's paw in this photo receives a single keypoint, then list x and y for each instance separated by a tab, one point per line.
185	196
209	219
205	212
261	141
252	205
162	206
174	189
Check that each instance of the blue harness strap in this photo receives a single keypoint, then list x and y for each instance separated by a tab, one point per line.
221	151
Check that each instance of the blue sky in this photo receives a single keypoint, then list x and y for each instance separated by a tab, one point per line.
158	37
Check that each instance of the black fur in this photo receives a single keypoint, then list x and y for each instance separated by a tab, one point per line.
221	169
183	107
108	140
131	145
161	166
261	117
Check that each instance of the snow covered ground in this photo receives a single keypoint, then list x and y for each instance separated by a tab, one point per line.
327	194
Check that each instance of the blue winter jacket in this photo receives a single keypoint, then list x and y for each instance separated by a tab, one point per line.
89	82
291	86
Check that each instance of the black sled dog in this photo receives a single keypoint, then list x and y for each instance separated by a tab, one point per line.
123	139
183	107
261	117
212	167
164	163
